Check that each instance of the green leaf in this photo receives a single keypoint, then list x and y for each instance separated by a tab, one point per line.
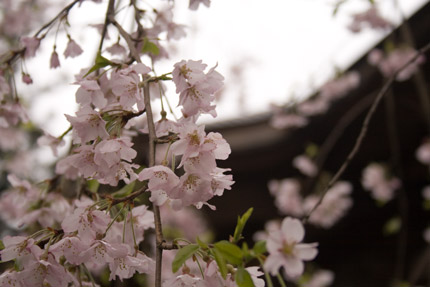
392	226
229	251
182	255
1	245
243	279
150	47
426	204
259	247
93	185
126	190
202	244
241	221
220	262
311	150
101	62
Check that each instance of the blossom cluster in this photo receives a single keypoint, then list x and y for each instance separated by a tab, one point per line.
377	180
299	114
88	237
289	201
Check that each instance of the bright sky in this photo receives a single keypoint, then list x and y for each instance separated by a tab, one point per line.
284	48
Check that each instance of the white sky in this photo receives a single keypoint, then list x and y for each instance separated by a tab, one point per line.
286	49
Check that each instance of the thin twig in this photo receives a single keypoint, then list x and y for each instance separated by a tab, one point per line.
334	136
364	127
109	14
11	56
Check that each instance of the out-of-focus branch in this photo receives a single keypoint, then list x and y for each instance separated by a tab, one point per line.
10	56
364	127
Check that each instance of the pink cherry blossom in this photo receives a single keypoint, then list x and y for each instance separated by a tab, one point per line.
11	114
162	181
336	203
87	222
53	142
111	152
72	49
221	181
46	272
72	248
423	153
81	162
126	86
285	249
20	248
196	88
90	93
31	45
370	18
340	86
88	125
396	59
305	165
193	189
125	267
381	186
117	49
287	196
26	78
194	4
54	61
321	278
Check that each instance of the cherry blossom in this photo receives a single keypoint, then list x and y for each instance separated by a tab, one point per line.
285	249
380	185
54	61
305	165
53	142
396	59
87	222
287	193
126	86
321	278
372	18
72	49
423	153
31	45
334	206
88	125
194	4
90	92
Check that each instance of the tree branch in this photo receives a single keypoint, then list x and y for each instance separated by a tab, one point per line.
364	127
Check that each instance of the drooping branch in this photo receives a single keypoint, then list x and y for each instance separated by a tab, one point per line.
10	56
364	128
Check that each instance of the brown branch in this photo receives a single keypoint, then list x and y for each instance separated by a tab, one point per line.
152	140
334	136
364	127
10	56
127	37
109	14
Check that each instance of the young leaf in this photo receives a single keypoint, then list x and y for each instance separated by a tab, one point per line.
101	62
202	244
392	226
183	254
220	262
126	190
93	185
241	221
229	251
243	279
259	247
149	47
